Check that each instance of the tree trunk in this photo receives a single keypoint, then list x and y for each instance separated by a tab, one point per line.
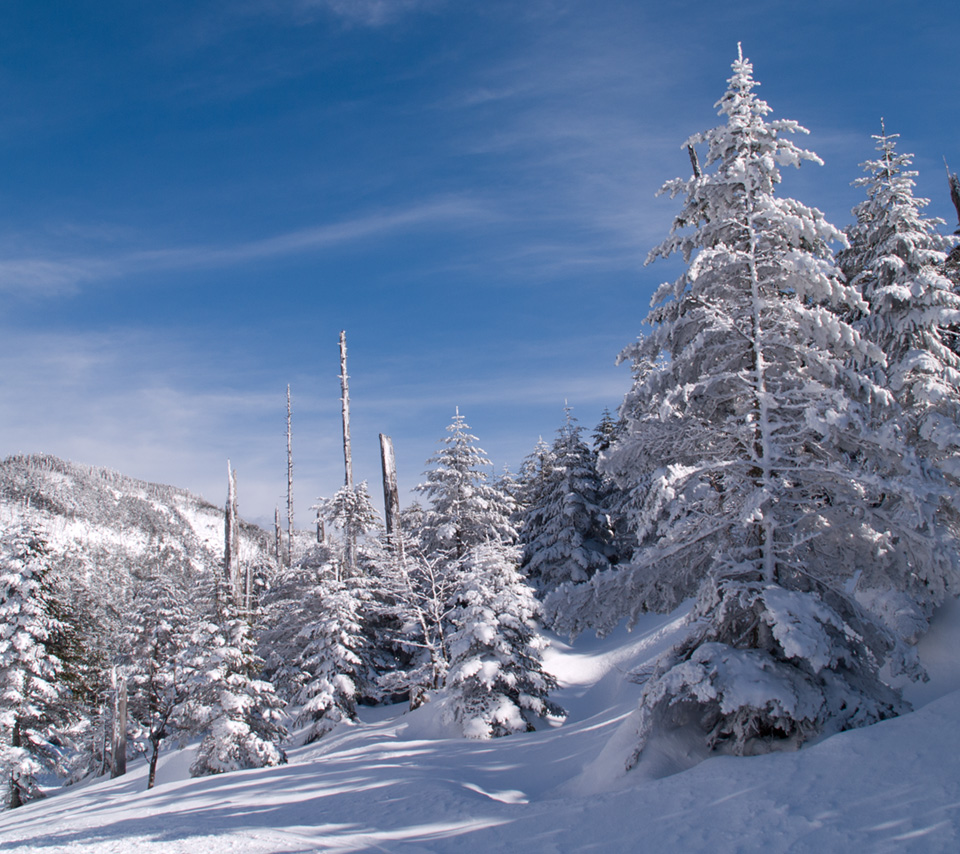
277	538
231	536
349	534
154	756
289	482
121	759
118	742
16	800
391	495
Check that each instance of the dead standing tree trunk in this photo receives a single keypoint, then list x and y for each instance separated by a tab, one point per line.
231	546
289	482
118	740
391	496
349	534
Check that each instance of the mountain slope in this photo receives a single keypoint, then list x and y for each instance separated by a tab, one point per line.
115	520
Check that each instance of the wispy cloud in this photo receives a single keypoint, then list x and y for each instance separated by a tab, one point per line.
367	13
47	276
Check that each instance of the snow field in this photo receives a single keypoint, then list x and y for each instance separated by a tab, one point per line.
400	783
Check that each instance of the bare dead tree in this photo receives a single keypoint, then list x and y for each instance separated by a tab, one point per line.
348	533
289	482
391	495
231	536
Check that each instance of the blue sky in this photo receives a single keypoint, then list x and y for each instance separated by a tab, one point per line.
197	196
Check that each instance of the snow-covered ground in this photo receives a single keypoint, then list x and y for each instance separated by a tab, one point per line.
395	783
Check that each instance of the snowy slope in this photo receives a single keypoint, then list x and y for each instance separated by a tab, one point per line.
117	520
392	785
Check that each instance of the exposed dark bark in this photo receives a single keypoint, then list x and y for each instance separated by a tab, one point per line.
16	740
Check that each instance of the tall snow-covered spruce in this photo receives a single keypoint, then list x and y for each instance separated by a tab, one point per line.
465	509
566	534
496	684
29	672
896	260
483	626
748	430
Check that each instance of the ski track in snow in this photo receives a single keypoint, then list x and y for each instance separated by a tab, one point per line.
387	786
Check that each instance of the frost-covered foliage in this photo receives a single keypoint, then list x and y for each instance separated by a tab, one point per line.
747	436
496	684
159	671
351	512
766	668
239	713
465	509
294	599
534	478
423	599
328	661
895	258
566	534
29	671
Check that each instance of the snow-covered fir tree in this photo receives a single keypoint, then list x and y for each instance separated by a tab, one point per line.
329	662
29	671
747	426
566	534
159	674
239	713
766	668
465	509
294	600
745	410
896	258
351	512
533	482
496	684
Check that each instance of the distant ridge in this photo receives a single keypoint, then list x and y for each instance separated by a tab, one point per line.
108	514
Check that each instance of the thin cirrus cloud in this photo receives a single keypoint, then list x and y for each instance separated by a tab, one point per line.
39	276
368	13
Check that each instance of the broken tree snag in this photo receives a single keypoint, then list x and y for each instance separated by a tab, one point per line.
391	495
345	408
349	534
231	537
289	482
